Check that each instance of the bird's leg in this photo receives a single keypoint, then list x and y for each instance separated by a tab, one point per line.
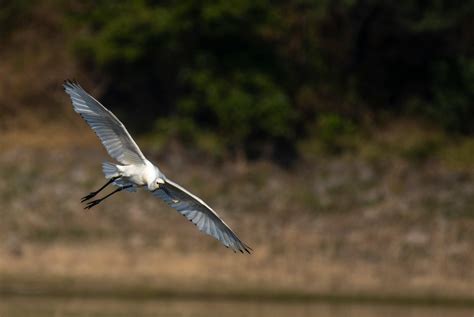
97	201
94	193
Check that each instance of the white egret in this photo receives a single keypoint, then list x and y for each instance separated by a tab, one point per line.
135	171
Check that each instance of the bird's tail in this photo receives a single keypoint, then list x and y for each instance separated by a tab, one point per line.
110	170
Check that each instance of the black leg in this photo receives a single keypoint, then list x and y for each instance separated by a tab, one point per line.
93	194
97	201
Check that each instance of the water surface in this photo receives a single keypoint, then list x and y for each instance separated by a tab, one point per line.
58	307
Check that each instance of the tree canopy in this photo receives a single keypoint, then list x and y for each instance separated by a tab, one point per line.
257	72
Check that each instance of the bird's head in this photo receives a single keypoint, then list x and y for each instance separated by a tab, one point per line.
155	184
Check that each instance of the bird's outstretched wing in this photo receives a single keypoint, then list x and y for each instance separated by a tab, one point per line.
111	132
196	211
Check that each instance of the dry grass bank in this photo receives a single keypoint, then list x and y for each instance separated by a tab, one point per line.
343	225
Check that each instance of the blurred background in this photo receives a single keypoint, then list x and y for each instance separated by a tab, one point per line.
335	137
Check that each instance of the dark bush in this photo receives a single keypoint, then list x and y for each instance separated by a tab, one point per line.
259	73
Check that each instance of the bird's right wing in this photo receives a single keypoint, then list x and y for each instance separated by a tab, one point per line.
111	132
196	211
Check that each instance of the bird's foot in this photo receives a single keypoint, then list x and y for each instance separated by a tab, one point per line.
92	203
88	196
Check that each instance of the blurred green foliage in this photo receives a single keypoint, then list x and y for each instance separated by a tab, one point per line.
12	13
259	73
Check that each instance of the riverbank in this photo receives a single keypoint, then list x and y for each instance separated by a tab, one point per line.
342	227
83	273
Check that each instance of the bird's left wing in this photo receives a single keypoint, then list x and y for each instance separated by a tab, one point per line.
199	213
111	132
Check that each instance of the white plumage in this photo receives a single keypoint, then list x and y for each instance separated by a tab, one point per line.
136	171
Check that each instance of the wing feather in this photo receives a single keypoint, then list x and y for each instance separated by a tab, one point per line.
199	213
111	132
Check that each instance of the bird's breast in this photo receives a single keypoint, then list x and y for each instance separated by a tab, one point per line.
136	174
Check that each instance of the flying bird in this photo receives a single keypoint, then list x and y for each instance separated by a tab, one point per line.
136	171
